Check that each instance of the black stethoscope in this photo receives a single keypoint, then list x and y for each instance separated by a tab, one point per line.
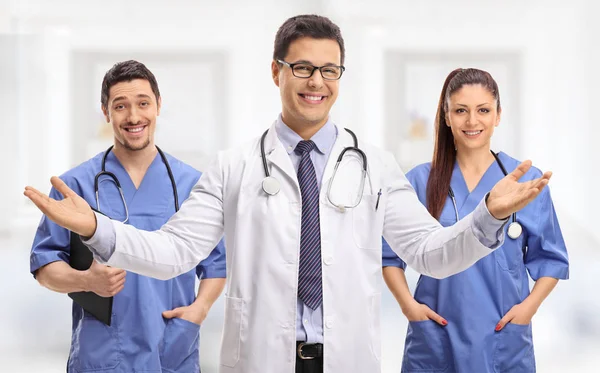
514	228
118	184
271	185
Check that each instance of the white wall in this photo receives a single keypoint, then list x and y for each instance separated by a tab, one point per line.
8	128
588	185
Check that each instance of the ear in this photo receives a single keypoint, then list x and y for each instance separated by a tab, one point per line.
275	68
105	112
158	106
447	118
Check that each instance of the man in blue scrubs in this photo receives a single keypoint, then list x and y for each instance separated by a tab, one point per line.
155	324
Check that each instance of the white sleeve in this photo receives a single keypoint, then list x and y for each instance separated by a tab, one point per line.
420	241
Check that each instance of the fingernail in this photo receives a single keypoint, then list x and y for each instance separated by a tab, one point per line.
444	322
498	327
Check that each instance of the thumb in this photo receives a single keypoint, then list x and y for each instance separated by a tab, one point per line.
505	320
437	318
172	313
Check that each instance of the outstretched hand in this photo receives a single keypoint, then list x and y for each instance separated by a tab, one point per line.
509	195
72	212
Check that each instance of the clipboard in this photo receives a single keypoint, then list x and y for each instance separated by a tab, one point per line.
81	259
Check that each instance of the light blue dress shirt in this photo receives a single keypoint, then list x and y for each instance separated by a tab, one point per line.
309	322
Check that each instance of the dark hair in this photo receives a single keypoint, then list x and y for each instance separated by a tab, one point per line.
125	72
308	25
444	154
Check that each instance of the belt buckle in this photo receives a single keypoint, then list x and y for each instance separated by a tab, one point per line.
300	355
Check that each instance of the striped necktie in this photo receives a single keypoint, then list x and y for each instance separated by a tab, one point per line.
310	289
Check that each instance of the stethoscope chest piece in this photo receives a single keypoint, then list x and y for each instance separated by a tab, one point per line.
270	185
514	230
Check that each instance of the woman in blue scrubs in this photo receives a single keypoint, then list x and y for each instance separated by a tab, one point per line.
478	320
155	324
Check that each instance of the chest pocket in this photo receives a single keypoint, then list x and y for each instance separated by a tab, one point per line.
367	222
510	256
344	188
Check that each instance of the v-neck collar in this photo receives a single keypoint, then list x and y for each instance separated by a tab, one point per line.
466	199
129	189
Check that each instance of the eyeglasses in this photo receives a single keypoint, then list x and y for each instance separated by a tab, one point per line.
305	70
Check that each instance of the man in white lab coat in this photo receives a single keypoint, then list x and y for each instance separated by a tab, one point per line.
303	246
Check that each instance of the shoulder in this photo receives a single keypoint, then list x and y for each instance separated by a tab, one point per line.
420	172
418	176
376	155
83	174
184	175
511	163
228	165
240	155
180	168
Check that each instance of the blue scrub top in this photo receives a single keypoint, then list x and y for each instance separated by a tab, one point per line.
139	338
474	300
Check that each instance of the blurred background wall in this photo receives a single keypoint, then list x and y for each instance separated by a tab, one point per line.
212	62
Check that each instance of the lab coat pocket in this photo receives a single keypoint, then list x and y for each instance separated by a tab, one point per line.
514	350
426	348
232	330
368	223
179	348
95	345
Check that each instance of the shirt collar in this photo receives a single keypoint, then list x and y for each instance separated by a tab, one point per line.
323	139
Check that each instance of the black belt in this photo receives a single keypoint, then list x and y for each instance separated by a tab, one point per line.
308	351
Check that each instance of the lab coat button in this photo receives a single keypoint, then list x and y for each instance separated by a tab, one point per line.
328	260
329	323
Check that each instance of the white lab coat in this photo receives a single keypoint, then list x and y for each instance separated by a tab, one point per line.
262	239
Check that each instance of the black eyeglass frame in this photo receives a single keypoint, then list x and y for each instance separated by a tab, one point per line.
291	66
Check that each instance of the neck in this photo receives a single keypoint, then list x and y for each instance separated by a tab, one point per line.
135	162
474	160
303	129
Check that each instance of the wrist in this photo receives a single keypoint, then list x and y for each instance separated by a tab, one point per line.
531	304
200	305
85	280
493	209
91	229
407	305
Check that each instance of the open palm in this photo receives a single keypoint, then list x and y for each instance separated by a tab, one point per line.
509	195
72	212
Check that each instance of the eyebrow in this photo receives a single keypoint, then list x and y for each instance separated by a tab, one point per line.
122	98
485	103
310	63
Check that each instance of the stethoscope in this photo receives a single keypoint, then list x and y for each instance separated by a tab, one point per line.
118	184
271	185
514	228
